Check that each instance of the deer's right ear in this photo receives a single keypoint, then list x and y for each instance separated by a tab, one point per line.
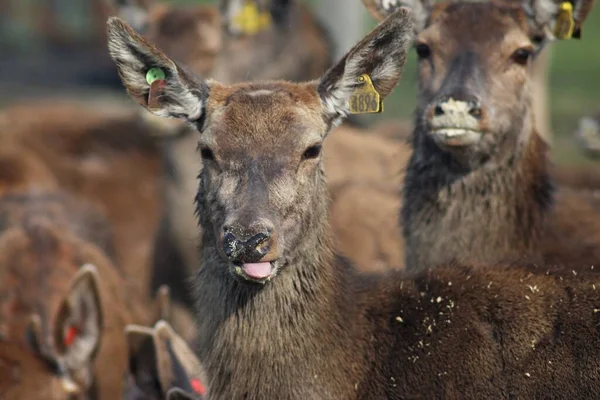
152	79
421	10
380	55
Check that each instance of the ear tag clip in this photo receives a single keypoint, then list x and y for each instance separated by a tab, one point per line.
565	24
365	99
198	386
250	20
155	77
71	335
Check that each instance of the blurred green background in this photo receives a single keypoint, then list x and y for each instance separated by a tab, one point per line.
574	76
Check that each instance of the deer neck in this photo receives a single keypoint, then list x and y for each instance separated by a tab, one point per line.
488	214
276	328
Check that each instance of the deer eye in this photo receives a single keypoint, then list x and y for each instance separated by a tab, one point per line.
312	152
423	51
207	154
522	56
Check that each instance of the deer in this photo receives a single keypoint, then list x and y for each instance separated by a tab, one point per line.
288	317
478	184
63	300
161	365
373	159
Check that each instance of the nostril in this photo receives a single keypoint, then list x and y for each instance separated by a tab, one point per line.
230	244
258	239
475	112
438	110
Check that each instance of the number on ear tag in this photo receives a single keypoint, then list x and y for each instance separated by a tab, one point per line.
250	20
565	24
365	99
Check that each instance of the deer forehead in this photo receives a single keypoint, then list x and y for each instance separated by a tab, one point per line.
279	116
476	25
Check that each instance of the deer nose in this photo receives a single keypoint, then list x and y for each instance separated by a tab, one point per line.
244	246
456	108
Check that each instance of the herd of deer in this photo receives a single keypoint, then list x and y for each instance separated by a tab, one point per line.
449	260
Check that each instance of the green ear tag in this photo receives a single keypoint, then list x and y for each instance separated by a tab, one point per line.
154	74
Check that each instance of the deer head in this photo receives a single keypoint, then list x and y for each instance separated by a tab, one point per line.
260	142
474	70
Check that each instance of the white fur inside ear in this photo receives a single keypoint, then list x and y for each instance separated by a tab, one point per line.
182	96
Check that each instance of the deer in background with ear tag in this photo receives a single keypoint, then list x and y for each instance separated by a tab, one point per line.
478	185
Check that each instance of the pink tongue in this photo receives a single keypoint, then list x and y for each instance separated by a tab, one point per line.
258	270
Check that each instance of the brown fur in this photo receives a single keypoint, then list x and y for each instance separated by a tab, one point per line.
22	170
315	329
363	221
103	156
492	200
586	178
45	238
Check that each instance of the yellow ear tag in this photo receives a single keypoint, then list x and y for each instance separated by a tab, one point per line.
250	20
365	99
565	24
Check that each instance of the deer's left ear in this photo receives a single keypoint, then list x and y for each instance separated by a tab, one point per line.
556	19
152	79
380	56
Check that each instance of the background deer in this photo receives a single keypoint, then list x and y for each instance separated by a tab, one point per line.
478	184
61	324
294	320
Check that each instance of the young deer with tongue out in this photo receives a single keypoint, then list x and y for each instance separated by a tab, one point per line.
281	316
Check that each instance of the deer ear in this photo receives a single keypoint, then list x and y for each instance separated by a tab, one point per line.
380	55
178	366
421	10
556	19
173	92
142	360
79	322
180	394
162	305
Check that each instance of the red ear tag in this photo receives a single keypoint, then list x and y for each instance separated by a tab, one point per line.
70	335
198	386
155	91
